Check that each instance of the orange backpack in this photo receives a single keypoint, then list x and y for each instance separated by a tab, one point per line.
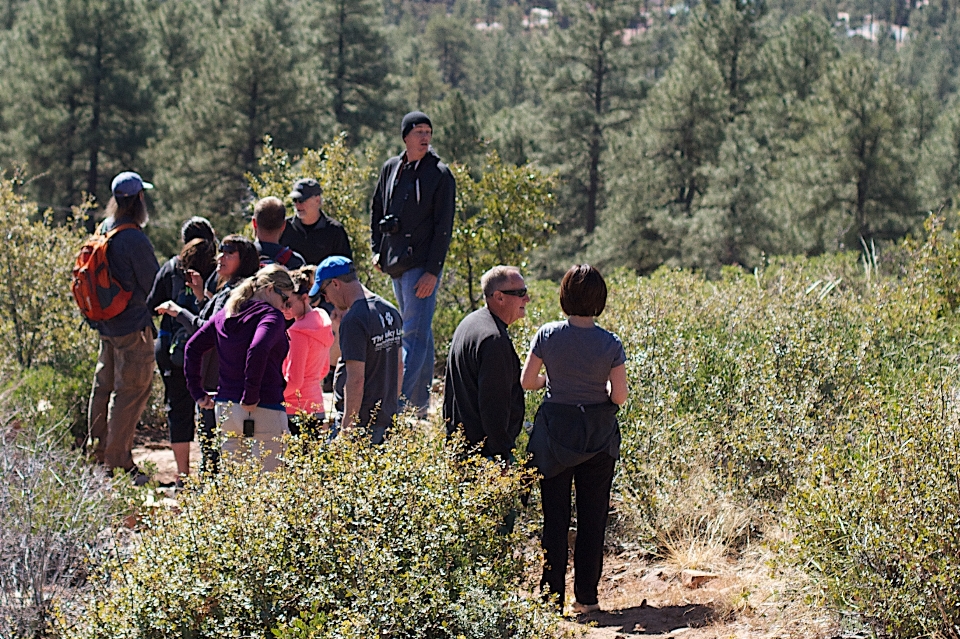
98	293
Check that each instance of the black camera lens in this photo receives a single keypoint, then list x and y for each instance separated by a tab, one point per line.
390	225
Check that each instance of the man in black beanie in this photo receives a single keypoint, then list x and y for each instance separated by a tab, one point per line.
411	220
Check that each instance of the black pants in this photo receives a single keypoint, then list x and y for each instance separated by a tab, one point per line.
593	479
209	441
180	407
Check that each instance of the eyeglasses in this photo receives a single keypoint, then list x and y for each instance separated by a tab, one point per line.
516	292
282	295
323	288
228	248
304	198
424	133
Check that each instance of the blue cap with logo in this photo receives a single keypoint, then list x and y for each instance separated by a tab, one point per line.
128	184
333	266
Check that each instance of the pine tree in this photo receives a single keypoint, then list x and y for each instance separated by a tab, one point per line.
594	85
664	166
452	43
251	82
356	62
851	176
75	96
457	135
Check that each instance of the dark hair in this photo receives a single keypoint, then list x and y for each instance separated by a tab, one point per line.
249	257
200	255
132	206
270	214
583	291
302	278
197	227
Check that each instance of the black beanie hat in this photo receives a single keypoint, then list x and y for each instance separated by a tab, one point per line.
411	120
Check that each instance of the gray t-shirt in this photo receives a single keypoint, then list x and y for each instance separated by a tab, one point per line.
371	332
578	361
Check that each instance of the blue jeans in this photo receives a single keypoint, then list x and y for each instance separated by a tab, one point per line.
417	340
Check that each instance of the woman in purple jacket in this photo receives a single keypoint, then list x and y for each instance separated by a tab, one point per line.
251	341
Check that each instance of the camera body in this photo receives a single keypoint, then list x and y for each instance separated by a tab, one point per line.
389	225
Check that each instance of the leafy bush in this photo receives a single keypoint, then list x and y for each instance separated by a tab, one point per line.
39	321
55	511
878	519
345	540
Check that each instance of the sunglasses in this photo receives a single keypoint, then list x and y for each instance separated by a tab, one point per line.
516	292
228	248
301	200
282	295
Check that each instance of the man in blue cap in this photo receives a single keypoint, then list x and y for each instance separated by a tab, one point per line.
411	220
371	357
124	372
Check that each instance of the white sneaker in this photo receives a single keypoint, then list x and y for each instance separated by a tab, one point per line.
584	609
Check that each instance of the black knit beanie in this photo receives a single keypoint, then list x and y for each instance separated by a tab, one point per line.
411	120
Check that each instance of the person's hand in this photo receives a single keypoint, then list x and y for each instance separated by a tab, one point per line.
194	280
169	308
425	285
206	402
376	262
249	407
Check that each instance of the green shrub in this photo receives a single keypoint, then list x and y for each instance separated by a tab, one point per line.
39	320
879	519
346	540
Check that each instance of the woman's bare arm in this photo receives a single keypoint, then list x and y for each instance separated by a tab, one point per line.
618	385
530	377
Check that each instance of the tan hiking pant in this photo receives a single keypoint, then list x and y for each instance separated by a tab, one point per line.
121	388
269	427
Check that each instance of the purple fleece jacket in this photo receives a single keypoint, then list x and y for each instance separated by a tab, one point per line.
251	345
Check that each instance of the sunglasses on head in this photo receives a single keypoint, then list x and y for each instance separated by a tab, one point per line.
228	248
515	292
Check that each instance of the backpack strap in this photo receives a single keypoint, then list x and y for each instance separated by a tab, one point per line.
283	255
123	227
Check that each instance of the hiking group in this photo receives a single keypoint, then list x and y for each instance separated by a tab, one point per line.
251	333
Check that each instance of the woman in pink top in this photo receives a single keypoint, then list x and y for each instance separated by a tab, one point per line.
308	361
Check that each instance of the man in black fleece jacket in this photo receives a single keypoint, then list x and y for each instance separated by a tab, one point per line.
411	220
481	391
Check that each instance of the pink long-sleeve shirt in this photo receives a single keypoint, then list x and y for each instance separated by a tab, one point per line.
308	362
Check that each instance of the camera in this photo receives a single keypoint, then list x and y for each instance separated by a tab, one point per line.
389	225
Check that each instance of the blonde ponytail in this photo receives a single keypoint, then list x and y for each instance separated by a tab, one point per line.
271	275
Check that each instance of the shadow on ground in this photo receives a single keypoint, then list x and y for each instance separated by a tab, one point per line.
649	620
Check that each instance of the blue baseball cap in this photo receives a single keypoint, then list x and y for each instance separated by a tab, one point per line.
333	266
128	184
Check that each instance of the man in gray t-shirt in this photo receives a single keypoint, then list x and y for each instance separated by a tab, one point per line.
371	332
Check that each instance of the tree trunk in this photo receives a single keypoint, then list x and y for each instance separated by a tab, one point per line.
93	144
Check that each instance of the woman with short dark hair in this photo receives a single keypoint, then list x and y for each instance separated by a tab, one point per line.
576	438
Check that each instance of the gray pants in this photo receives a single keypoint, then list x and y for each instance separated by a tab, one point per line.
121	388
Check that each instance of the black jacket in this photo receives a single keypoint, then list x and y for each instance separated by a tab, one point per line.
324	239
424	202
482	390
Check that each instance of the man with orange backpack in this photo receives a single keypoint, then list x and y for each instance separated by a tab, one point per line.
114	302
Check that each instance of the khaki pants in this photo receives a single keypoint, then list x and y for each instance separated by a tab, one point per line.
121	388
269	427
